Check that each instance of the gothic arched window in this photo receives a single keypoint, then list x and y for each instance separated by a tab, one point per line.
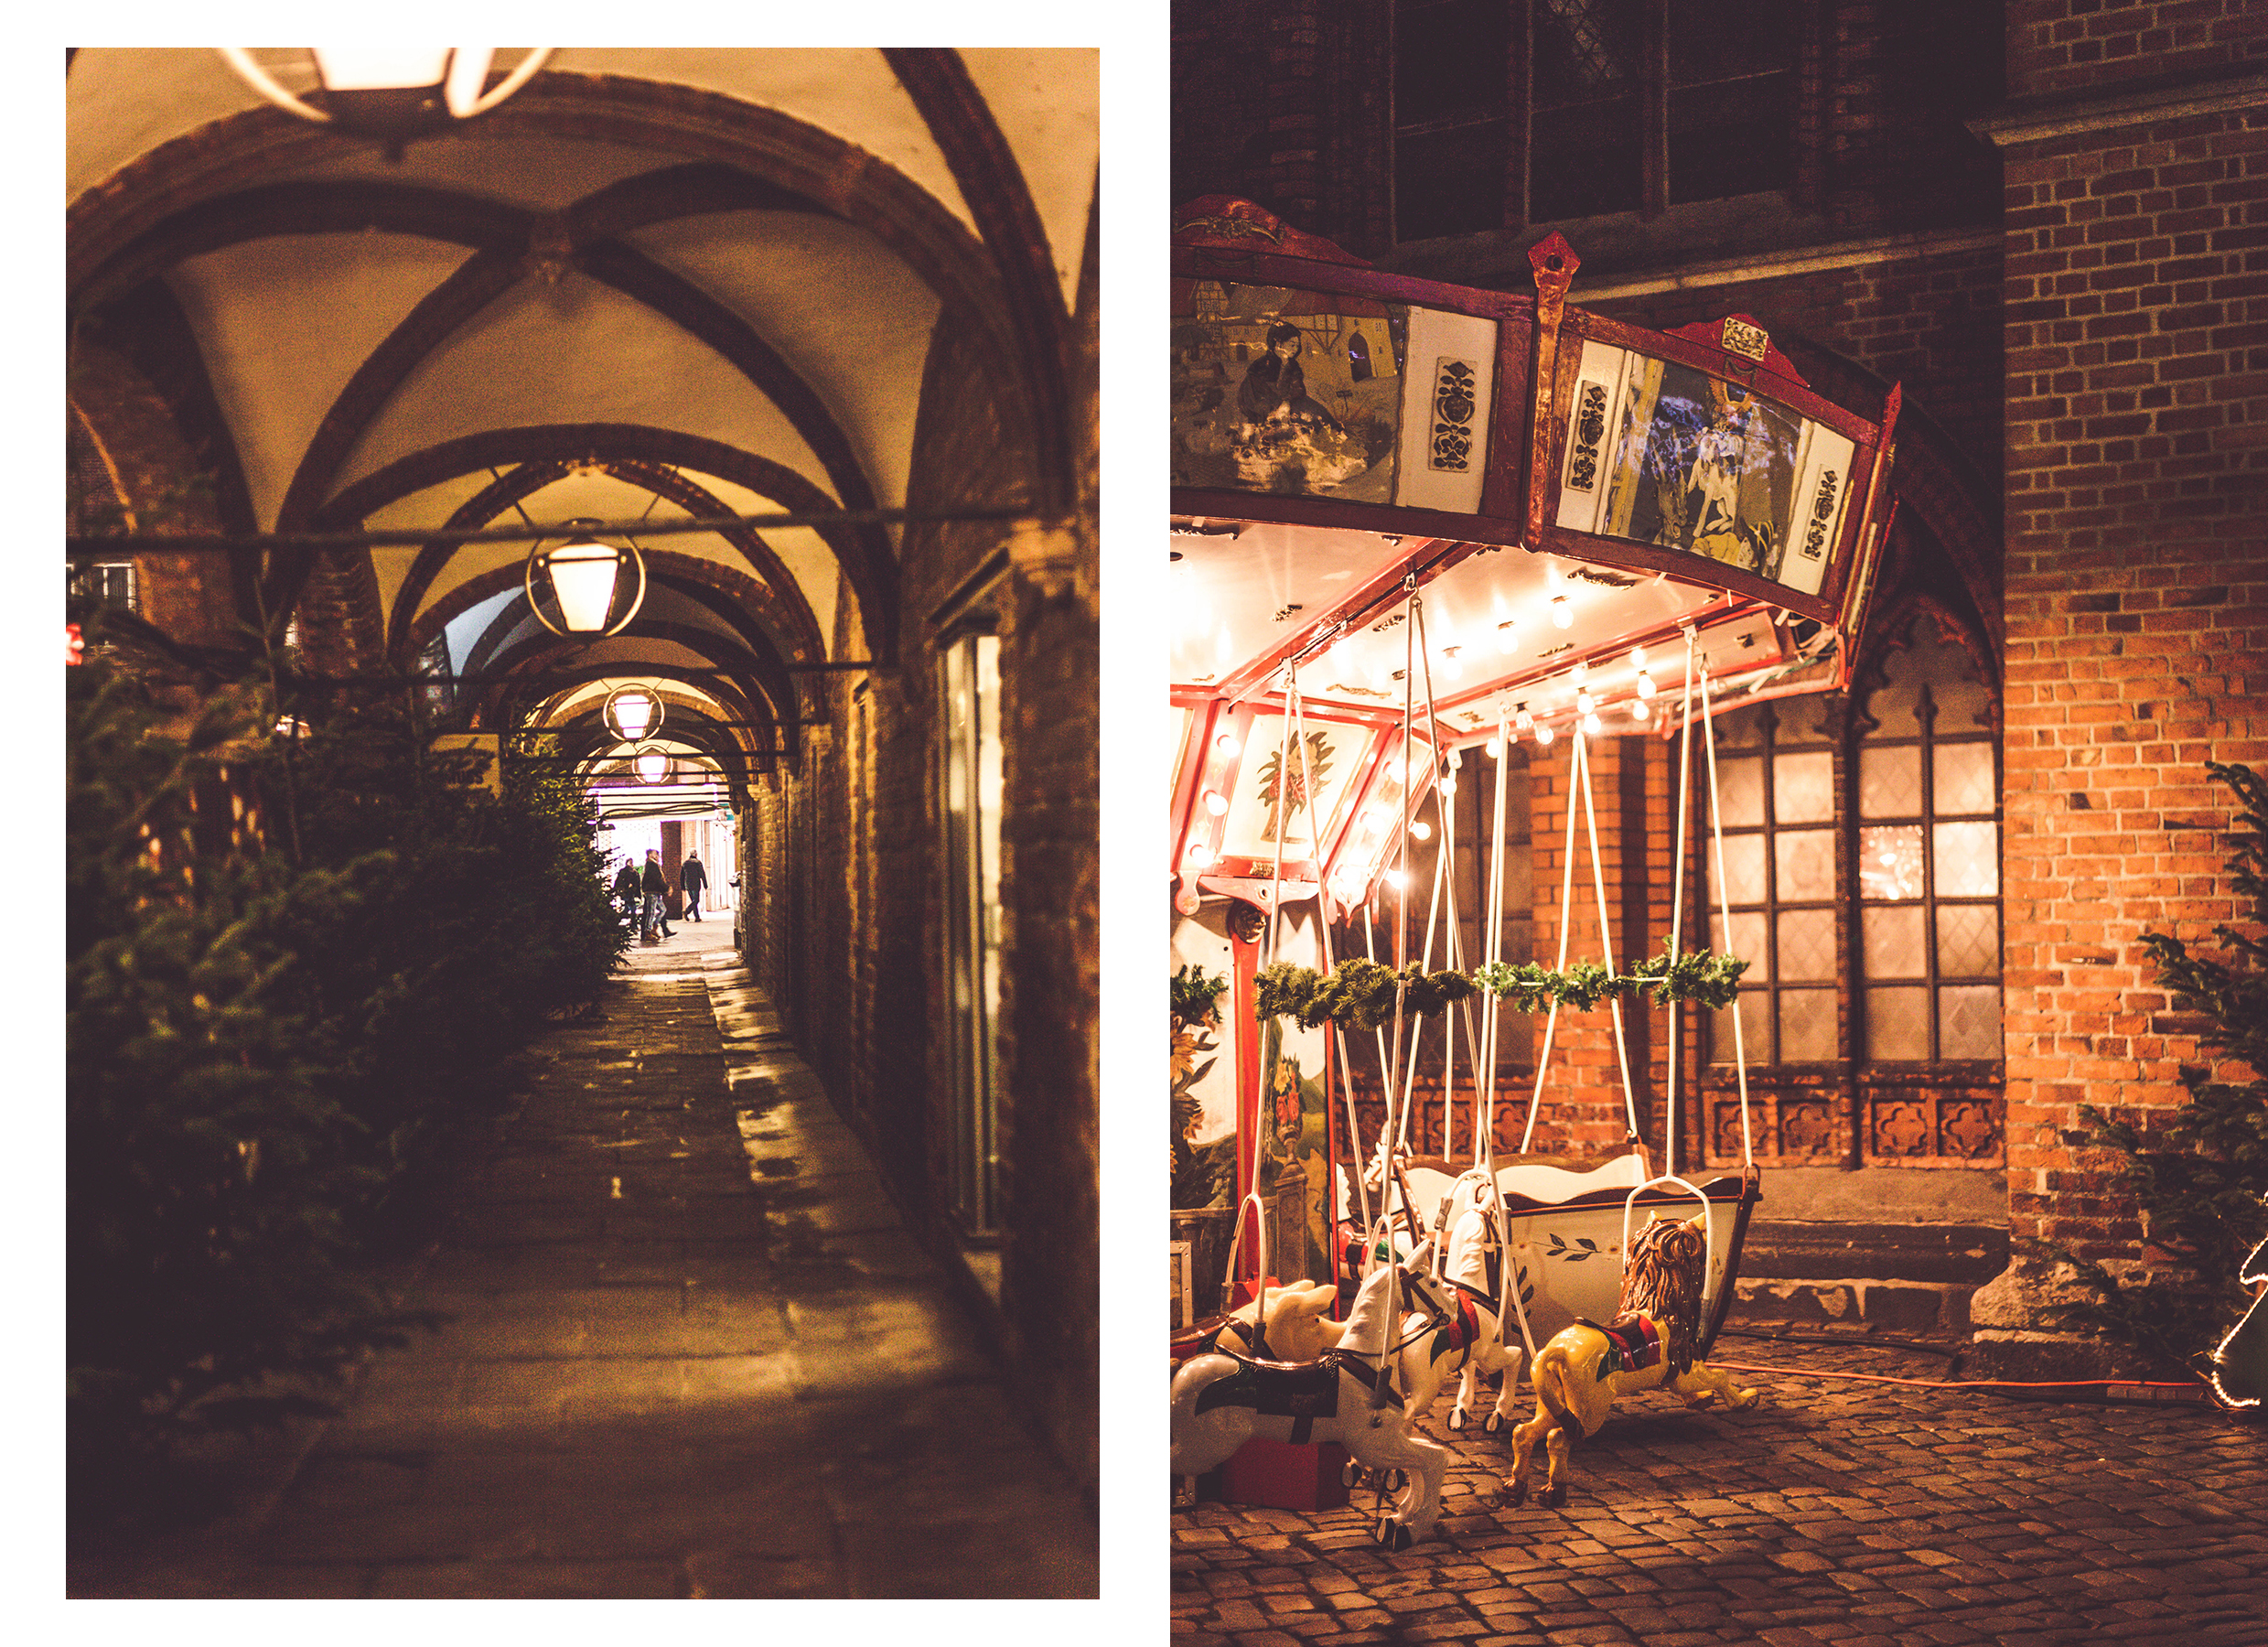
1921	801
1928	820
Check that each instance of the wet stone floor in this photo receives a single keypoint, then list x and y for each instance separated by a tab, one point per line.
692	1353
1865	1514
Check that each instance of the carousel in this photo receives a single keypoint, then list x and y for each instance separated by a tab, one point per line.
1417	526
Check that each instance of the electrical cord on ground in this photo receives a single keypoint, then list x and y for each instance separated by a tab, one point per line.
1990	1384
1950	1352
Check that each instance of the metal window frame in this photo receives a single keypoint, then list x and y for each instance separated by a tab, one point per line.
1926	741
1767	717
1518	111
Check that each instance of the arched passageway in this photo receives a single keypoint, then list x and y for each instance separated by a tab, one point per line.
852	288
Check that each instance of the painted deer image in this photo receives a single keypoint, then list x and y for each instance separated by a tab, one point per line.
1650	1345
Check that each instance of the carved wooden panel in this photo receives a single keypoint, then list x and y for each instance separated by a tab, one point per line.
1824	1123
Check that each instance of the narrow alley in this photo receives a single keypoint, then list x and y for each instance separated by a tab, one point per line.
692	1353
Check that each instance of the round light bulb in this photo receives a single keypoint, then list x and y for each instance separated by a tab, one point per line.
1582	670
1227	746
1645	685
1584	703
1496	748
1563	614
1506	635
1396	879
1524	720
1638	657
1590	725
1199	852
1639	710
1420	830
1543	735
1216	803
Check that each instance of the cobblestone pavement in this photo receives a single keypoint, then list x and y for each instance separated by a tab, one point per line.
692	1352
1859	1514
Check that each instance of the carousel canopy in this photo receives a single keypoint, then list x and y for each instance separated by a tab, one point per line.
1411	516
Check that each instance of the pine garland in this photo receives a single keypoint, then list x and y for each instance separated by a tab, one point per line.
1360	994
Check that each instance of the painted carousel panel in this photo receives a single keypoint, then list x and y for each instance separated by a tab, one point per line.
1662	453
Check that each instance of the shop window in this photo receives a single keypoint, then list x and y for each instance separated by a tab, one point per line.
1510	112
1928	856
969	789
1776	790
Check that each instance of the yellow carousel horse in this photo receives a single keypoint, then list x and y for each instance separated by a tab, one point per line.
1649	1345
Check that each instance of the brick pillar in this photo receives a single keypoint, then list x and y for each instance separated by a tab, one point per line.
2137	593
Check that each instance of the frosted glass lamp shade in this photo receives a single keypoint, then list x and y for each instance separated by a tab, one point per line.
631	714
582	576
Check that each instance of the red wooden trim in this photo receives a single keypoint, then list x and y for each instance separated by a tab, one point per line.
1508	432
1553	262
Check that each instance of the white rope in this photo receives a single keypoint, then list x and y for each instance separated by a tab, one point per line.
1566	900
1607	942
1716	829
1346	1076
1677	896
1484	1139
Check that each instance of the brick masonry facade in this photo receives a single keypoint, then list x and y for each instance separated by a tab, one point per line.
2137	569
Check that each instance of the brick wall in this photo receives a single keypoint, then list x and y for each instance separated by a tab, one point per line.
2086	45
2137	592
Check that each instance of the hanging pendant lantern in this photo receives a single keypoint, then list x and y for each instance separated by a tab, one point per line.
392	93
584	574
633	713
651	765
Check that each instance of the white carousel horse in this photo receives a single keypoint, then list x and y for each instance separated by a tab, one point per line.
1221	1401
1470	1345
1649	1345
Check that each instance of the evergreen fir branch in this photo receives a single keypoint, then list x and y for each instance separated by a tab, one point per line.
1361	993
2197	1175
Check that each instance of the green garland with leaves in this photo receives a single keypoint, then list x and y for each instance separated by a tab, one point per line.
1360	994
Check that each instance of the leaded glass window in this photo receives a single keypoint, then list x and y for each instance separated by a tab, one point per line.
1776	792
1929	856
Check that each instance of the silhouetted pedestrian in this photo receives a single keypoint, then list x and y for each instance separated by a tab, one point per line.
692	880
657	886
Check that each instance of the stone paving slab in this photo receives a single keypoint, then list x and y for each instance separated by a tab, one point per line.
691	1351
1848	1512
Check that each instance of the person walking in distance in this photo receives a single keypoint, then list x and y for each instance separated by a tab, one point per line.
692	880
657	886
630	893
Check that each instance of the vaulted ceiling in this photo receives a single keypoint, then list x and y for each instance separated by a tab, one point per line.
654	284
